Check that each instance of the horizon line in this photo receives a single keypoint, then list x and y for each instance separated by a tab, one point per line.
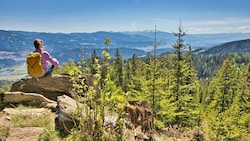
133	31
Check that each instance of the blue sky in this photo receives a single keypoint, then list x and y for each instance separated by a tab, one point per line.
67	16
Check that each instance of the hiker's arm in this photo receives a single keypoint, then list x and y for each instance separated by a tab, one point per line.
52	60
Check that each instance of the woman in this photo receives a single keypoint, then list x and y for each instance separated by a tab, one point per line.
47	59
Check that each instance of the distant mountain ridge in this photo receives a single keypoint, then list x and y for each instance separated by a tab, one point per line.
241	46
15	45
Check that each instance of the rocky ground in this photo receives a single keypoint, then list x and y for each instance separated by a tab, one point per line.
16	133
32	133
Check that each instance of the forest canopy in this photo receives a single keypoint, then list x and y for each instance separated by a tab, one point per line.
209	93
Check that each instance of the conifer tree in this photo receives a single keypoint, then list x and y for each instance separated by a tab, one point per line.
224	89
118	67
127	76
223	107
137	69
241	101
92	61
183	85
134	64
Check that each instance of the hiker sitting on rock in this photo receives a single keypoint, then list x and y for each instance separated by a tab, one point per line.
40	63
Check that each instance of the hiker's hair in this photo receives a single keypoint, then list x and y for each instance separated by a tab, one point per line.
38	43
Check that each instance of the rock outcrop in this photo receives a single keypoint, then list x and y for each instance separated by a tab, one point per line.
50	87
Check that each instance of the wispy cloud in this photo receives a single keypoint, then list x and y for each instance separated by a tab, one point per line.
240	29
226	25
224	21
199	30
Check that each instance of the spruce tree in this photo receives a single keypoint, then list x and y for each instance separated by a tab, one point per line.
183	85
224	87
92	61
242	100
223	109
118	67
137	70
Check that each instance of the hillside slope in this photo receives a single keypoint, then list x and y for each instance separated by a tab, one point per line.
241	46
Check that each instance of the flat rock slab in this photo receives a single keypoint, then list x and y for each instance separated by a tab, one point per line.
33	111
24	134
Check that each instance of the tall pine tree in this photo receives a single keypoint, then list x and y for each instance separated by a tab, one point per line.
183	84
224	87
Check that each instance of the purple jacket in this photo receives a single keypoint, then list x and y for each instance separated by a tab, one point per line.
46	59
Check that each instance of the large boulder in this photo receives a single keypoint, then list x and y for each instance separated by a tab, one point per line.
50	87
66	107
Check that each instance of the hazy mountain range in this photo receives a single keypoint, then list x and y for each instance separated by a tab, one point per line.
15	45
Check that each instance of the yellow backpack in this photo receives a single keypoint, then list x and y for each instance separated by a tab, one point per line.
34	64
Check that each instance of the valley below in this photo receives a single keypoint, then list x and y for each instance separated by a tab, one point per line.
14	72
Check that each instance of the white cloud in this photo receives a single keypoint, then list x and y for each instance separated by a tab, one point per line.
240	29
194	29
226	25
214	30
223	25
